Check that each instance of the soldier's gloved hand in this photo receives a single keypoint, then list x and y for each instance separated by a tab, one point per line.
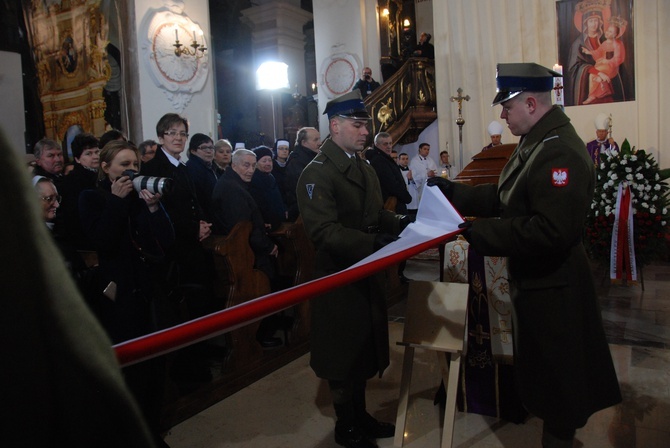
405	220
445	186
467	233
382	239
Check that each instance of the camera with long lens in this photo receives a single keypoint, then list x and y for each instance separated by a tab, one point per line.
154	185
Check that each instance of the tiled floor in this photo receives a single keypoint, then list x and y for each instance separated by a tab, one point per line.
291	407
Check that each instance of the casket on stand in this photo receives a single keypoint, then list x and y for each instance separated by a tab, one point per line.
487	377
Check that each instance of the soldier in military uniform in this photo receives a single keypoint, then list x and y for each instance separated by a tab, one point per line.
535	216
340	201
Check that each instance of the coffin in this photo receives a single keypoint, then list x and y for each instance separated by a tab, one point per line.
486	166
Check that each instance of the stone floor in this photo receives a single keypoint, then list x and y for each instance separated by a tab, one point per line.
291	407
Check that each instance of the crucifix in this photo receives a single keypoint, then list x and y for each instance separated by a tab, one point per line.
460	122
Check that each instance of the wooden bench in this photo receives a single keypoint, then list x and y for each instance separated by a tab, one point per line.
238	282
296	262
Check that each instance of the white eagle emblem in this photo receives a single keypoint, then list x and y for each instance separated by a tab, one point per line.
559	177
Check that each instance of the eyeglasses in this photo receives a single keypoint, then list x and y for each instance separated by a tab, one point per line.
207	148
173	134
51	199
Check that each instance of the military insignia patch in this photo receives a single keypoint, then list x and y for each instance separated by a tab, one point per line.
310	189
559	177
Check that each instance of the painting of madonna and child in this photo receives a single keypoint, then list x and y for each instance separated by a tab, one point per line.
595	48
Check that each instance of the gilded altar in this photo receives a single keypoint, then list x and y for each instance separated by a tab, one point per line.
69	46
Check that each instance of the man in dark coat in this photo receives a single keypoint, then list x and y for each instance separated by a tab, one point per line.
390	178
307	143
49	161
341	204
366	85
425	49
232	203
535	216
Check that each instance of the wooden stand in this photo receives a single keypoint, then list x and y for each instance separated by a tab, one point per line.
435	320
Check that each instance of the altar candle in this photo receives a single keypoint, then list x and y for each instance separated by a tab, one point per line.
176	33
194	38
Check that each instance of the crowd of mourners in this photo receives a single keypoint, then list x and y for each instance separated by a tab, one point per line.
142	213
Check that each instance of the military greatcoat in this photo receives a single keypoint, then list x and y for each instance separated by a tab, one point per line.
563	363
340	201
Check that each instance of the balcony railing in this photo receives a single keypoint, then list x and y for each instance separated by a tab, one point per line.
405	104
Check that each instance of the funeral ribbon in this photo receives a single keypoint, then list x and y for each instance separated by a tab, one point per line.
622	249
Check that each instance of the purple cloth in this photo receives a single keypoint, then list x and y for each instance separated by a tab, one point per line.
595	148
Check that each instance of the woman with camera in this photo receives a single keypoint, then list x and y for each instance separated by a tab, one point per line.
130	231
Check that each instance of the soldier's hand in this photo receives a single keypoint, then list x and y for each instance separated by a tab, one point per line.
405	220
382	239
445	186
467	232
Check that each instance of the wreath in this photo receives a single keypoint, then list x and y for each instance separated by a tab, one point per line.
649	198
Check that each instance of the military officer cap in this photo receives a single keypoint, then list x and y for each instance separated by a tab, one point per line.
349	105
512	79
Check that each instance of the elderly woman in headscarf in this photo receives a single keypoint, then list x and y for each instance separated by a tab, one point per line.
265	189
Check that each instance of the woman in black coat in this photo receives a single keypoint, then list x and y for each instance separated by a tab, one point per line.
83	176
128	230
125	229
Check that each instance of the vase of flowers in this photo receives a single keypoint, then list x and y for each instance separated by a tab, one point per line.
649	198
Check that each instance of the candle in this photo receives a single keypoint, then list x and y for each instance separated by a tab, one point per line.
194	38
176	34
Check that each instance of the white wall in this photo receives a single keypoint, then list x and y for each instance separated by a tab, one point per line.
472	36
200	111
350	26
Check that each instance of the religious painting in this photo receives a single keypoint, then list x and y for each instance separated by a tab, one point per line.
596	51
68	56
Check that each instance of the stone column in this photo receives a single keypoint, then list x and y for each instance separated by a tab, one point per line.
277	35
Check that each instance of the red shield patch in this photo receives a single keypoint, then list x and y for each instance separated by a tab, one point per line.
559	177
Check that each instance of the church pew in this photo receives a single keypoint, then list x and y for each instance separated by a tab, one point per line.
238	282
296	263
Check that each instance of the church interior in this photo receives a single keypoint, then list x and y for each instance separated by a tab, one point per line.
73	66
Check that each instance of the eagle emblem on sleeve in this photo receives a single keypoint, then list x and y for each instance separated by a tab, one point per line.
559	177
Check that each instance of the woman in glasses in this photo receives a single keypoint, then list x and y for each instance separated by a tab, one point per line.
49	199
202	170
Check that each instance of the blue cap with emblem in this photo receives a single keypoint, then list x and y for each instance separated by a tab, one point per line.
514	78
349	105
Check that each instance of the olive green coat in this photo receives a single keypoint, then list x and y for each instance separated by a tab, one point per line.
349	335
537	211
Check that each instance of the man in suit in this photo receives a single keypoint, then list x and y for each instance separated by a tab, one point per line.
307	143
341	204
388	172
535	216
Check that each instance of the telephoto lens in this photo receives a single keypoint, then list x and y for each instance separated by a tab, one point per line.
160	185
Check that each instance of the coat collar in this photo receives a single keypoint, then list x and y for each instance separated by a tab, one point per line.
551	121
343	162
